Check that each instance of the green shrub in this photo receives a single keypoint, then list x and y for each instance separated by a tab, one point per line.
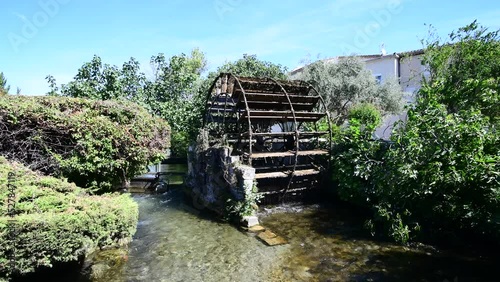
95	144
444	170
365	114
55	221
441	172
356	156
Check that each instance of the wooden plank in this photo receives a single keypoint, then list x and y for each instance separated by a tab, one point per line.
281	167
276	174
271	239
261	97
267	85
279	140
214	104
306	172
284	114
271	91
280	174
287	154
278	118
302	134
217	110
276	105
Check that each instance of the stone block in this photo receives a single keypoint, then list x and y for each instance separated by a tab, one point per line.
245	172
250	220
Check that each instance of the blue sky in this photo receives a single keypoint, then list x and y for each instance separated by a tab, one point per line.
41	37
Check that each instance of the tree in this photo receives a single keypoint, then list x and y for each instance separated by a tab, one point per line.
464	66
444	170
4	88
347	83
170	93
173	95
95	80
251	66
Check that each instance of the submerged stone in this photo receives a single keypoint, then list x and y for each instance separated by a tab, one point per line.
256	228
250	220
271	238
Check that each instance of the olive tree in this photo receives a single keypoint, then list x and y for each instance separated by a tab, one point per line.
348	82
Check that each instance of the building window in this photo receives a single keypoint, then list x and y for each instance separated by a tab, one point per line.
378	78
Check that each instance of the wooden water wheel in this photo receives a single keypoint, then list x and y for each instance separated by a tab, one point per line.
281	128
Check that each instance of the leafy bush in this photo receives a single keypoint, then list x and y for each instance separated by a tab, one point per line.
445	171
95	144
55	221
356	155
441	173
366	115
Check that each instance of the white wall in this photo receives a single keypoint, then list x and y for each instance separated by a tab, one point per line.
384	65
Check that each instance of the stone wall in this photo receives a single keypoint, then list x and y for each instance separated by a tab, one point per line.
220	182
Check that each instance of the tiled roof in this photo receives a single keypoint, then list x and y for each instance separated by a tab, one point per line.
411	53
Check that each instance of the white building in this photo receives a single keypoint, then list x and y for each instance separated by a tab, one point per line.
406	67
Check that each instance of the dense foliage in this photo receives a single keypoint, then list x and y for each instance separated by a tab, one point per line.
251	66
446	165
441	172
444	170
247	66
176	91
169	93
348	82
355	154
95	144
55	221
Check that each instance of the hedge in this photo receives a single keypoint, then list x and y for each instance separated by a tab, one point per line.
56	221
95	144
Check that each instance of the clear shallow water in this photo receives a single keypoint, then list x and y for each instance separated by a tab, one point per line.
330	244
175	243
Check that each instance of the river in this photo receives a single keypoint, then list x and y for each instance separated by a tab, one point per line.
175	242
327	242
